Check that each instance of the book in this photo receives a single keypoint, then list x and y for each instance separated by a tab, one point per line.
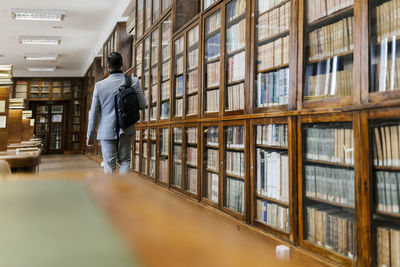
236	36
235	136
234	195
388	245
191	180
317	9
234	163
235	97
192	105
193	81
331	228
211	187
273	54
177	175
273	215
212	159
212	136
212	101
272	88
236	67
386	145
272	135
273	20
213	74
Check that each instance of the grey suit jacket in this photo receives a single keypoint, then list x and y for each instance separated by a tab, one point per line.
103	107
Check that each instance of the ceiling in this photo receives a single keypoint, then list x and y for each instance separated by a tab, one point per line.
84	30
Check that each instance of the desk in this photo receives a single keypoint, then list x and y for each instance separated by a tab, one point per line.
22	161
25	144
166	229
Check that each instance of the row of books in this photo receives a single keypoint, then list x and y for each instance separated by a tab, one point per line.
212	159
331	40
330	85
266	5
191	180
193	59
164	91
212	101
273	54
178	135
76	128
274	22
330	145
177	175
144	148
235	136
332	228
191	135
153	134
272	88
144	166
273	215
235	163
212	136
386	145
179	65
387	71
179	107
154	95
235	97
317	9
235	9
154	76
177	154
137	159
234	195
193	81
236	67
164	110
165	71
272	135
213	74
387	188
164	141
163	170
388	247
179	46
213	47
211	187
193	36
137	148
192	105
152	168
191	156
330	184
272	174
236	36
387	20
213	22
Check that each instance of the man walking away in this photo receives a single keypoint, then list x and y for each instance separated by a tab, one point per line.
103	108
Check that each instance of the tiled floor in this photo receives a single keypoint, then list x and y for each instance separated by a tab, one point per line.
68	163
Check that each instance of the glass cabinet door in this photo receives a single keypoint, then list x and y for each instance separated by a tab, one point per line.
212	61
329	50
177	164
152	153
144	166
192	72
191	160
178	73
211	164
154	74
146	75
166	32
163	156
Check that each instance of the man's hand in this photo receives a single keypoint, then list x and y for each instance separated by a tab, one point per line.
89	142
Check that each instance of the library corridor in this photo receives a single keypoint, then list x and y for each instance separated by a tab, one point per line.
199	133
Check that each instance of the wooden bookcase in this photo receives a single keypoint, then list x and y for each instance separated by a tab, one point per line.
327	87
4	103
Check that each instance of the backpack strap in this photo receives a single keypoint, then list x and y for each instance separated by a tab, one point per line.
128	81
117	128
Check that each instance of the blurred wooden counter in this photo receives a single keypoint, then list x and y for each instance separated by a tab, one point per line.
26	161
166	229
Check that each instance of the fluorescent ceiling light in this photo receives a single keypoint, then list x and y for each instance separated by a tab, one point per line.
37	14
50	57
42	69
40	40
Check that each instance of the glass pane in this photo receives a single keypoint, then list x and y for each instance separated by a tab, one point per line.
272	175
177	158
148	15
152	156
329	51
166	66
212	62
178	77
234	168
140	15
156	10
191	160
192	78
328	180
211	163
163	156
208	3
272	40
166	4
143	168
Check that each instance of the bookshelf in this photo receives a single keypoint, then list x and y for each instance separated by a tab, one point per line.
327	198
328	54
272	175
163	156
212	68
235	57
166	37
177	158
272	42
186	73
233	164
152	152
136	151
211	171
4	107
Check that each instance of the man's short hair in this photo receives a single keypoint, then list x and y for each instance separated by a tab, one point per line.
114	61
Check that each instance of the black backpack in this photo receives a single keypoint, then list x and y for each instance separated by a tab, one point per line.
126	105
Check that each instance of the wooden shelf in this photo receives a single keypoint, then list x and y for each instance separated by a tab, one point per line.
192	93
234	148
234	176
273	68
333	164
387	168
191	165
280	202
329	57
346	206
274	7
235	52
211	170
235	82
272	37
338	14
236	19
212	146
272	147
389	214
